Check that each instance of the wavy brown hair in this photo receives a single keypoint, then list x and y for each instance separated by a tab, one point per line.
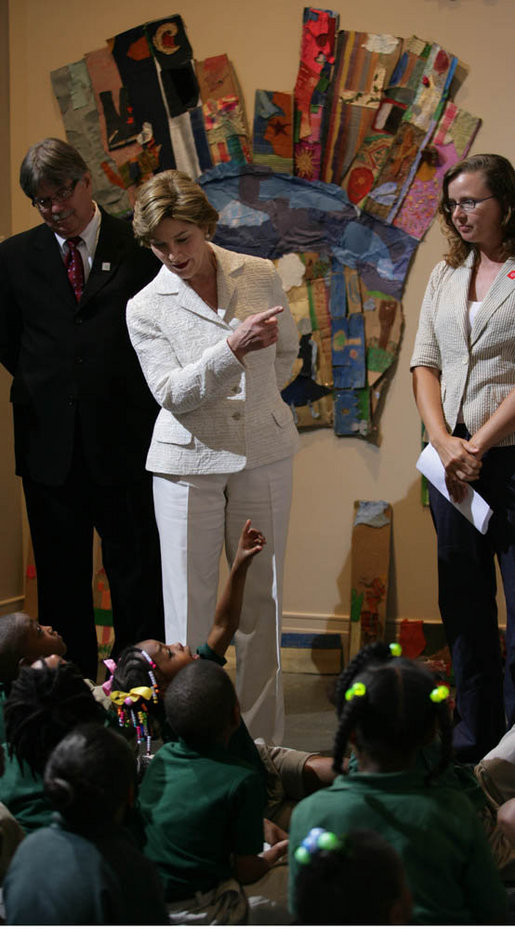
171	195
499	175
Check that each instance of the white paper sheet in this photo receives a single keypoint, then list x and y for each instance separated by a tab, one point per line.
473	507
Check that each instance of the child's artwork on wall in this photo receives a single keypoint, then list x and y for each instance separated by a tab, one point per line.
319	29
363	67
273	131
370	568
338	183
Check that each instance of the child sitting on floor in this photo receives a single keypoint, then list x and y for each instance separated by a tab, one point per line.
389	713
84	868
22	641
203	808
46	701
487	785
353	880
287	775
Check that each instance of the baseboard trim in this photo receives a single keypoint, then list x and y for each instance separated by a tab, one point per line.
12	604
333	622
315	643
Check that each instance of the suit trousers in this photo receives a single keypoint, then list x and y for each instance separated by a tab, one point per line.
195	515
467	600
61	521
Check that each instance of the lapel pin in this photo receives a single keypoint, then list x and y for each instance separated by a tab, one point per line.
106	266
511	275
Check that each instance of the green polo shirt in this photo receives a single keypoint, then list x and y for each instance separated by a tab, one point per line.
435	830
458	776
3	698
61	877
198	810
22	793
241	743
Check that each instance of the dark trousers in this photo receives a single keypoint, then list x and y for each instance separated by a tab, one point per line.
61	521
467	589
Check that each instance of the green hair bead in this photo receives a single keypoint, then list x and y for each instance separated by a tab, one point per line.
302	855
357	690
330	842
439	694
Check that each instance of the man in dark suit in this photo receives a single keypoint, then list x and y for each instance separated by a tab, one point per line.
83	415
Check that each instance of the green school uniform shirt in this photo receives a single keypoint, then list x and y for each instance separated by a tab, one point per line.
22	793
61	877
449	866
241	743
456	775
198	809
3	698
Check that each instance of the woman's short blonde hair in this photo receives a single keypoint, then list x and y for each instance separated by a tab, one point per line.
171	195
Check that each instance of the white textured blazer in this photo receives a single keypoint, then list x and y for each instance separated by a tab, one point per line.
218	415
477	369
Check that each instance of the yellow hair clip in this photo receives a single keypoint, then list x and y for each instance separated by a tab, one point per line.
357	690
135	693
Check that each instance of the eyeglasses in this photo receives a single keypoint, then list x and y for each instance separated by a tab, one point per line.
468	205
44	203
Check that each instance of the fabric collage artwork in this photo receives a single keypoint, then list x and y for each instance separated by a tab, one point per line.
342	175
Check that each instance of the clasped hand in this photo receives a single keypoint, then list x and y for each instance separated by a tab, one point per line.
257	331
462	465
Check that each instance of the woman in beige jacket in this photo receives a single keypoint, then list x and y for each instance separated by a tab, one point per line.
464	379
216	342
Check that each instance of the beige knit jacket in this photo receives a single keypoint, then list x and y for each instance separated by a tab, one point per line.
477	370
217	415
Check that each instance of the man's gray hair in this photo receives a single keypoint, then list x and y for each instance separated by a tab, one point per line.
53	162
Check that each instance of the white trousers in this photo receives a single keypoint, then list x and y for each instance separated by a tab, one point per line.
195	515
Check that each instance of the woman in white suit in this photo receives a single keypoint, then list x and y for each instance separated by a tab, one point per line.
216	343
464	379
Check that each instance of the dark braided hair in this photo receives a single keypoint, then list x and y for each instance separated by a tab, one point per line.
395	715
376	652
43	706
133	670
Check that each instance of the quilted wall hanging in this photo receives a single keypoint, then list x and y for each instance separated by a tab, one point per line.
337	182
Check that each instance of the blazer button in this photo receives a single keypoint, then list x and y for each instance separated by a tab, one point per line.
79	360
236	415
78	320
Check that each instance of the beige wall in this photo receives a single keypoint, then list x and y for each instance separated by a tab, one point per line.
11	561
262	39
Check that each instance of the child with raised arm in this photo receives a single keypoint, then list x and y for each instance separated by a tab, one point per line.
286	775
389	712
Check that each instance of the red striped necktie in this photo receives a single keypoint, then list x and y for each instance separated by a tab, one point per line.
74	266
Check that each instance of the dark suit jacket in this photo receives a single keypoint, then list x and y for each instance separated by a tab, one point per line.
73	364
